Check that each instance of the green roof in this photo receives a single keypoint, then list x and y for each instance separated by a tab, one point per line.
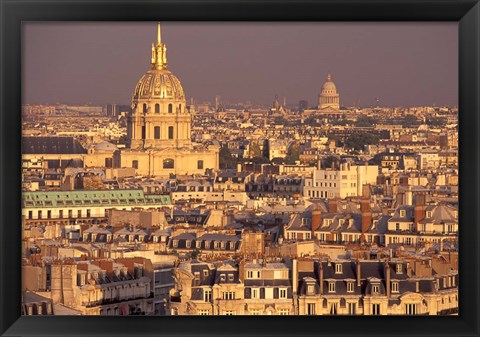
92	198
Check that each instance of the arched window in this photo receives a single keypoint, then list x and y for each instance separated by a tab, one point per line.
180	108
156	132
144	107
168	164
170	132
157	108
170	108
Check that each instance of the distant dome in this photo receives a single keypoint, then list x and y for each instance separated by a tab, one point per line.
329	87
158	84
105	147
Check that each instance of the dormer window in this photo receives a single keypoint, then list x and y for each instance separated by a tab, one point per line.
350	287
230	277
205	273
375	289
394	287
399	268
310	289
175	243
429	214
338	268
222	277
188	243
402	213
331	286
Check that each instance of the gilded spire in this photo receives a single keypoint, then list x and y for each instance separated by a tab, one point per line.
159	52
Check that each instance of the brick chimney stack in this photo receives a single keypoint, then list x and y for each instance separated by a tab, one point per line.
419	210
316	218
366	217
332	206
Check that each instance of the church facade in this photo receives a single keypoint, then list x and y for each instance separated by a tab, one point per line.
159	126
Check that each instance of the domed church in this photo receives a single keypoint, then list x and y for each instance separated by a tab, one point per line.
159	126
329	97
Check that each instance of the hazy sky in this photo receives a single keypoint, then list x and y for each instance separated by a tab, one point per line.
404	64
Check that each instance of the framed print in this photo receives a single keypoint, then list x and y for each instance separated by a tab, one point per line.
192	165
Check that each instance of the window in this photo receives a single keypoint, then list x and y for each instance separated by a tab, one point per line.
108	162
170	132
79	213
168	164
397	227
338	268
179	108
200	164
283	312
228	312
331	287
203	312
39	214
333	309
311	309
255	312
376	309
170	108
60	214
143	132
268	292
311	289
188	244
157	108
156	132
255	293
394	287
352	308
135	164
207	295
230	277
205	273
375	289
399	268
350	287
402	213
144	108
410	309
228	295
282	293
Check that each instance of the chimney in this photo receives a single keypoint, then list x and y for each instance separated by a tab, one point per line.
359	276
294	276
419	210
316	218
387	278
332	206
366	217
320	276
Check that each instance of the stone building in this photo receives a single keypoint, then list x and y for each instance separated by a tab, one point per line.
159	126
329	97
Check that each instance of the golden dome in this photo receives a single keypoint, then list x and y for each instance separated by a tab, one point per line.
158	84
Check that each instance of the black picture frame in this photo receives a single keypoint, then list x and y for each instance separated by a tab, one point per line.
14	12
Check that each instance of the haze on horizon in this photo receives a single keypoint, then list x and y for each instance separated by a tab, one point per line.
402	64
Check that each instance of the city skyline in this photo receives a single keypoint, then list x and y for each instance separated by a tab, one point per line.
95	63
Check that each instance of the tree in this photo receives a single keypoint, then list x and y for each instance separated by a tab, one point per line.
293	153
225	158
365	121
255	150
410	121
358	140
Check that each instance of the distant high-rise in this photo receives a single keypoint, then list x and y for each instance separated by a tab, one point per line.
329	97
